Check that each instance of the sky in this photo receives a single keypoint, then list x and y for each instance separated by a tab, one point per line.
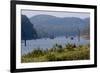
31	13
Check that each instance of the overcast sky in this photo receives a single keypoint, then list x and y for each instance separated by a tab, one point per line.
31	13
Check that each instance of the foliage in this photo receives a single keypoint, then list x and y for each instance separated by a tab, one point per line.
58	53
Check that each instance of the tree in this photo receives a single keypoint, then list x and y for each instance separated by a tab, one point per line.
28	31
78	34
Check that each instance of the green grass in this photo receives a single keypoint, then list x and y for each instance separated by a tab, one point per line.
58	53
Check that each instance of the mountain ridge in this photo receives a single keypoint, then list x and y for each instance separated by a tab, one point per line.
48	25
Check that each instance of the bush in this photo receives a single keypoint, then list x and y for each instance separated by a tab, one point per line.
70	47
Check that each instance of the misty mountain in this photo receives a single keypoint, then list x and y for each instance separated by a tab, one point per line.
86	31
52	26
28	31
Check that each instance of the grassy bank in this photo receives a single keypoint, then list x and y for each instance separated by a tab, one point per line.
58	53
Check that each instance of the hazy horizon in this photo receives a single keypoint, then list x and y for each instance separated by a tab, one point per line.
31	13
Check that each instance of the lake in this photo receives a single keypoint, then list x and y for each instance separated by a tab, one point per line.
46	43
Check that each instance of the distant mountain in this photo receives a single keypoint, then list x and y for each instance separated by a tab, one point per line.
28	31
87	20
86	31
52	26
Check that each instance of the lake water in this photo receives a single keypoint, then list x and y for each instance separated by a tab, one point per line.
45	43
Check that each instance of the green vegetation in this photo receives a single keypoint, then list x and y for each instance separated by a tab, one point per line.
58	53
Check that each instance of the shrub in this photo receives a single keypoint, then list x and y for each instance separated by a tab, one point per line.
70	47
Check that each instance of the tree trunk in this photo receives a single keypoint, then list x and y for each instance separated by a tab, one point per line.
78	35
25	42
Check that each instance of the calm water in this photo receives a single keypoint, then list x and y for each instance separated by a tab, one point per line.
45	43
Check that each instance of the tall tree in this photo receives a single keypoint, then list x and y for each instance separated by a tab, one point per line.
28	31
